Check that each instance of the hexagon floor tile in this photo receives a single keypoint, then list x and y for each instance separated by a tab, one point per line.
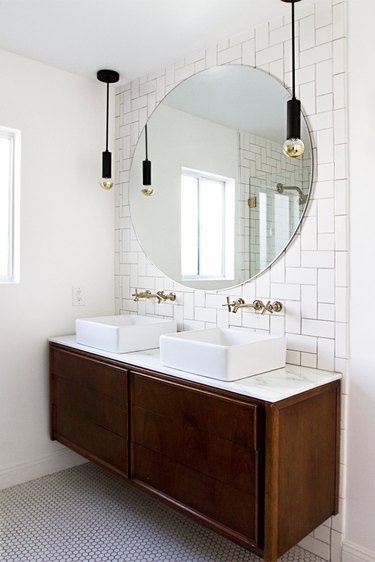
84	514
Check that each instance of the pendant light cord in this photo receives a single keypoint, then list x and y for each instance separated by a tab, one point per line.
106	130
146	142
293	55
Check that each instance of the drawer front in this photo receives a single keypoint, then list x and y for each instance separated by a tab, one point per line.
209	497
89	408
95	407
92	439
223	417
198	449
106	379
185	442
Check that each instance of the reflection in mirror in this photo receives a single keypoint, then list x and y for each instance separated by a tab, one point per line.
228	199
207	226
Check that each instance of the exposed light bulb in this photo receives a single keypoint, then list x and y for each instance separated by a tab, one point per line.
293	148
106	183
147	191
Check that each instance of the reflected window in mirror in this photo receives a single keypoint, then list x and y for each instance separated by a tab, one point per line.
263	234
207	225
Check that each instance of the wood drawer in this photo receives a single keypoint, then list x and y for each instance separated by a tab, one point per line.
228	506
95	407
91	438
87	372
189	445
226	418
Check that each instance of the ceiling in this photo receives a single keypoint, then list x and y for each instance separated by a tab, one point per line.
133	37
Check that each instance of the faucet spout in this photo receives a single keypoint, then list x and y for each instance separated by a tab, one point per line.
257	305
240	303
160	296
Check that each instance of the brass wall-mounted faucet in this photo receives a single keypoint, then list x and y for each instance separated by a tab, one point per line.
160	296
257	305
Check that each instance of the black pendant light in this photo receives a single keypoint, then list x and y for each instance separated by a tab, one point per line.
293	146
109	77
146	172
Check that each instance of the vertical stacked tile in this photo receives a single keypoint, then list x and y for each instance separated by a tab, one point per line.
311	276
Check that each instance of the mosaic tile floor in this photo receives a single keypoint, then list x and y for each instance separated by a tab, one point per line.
84	514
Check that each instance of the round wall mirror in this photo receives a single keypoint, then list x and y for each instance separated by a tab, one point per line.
226	200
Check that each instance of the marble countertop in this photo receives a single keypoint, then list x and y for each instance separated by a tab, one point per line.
271	386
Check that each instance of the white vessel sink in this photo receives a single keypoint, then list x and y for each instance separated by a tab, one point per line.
224	354
122	333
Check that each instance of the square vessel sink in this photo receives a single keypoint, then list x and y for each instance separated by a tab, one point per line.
223	354
122	333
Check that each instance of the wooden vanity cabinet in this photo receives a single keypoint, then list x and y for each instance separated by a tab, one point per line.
263	474
89	407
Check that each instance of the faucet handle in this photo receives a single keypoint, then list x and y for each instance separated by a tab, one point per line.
161	296
267	307
171	296
228	305
277	306
136	295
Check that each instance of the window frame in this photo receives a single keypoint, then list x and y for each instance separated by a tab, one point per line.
13	236
228	236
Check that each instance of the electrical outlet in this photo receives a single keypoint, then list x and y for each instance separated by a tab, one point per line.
78	296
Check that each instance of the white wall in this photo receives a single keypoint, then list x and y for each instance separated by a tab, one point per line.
66	239
360	525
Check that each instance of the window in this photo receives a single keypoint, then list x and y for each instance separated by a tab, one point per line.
9	204
207	226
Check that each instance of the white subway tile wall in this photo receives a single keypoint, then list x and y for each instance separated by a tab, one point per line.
311	276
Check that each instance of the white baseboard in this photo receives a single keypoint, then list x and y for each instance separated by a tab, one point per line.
352	552
59	460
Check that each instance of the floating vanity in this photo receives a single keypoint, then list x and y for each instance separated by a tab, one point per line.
255	459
